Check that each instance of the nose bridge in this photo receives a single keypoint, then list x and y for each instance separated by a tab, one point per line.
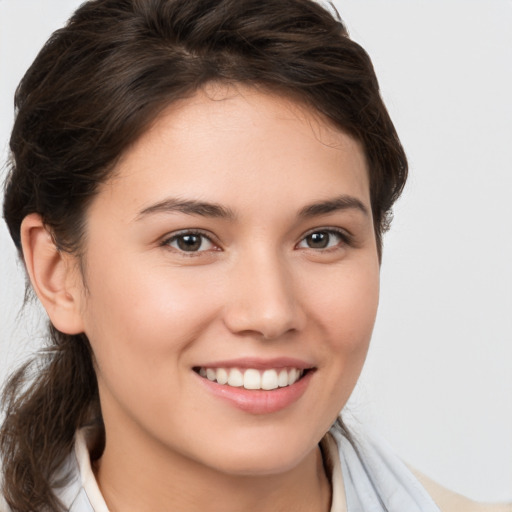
264	299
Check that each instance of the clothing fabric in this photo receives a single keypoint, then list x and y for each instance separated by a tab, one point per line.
366	476
376	480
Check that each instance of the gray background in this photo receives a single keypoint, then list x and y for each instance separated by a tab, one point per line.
438	381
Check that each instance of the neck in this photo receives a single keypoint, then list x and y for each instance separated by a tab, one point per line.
149	478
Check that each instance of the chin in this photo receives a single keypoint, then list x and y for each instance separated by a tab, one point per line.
260	458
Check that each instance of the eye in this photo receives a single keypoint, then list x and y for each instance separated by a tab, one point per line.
190	241
322	239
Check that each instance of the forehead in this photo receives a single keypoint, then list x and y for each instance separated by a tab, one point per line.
226	138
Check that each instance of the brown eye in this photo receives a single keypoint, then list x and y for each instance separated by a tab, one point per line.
318	240
190	242
321	240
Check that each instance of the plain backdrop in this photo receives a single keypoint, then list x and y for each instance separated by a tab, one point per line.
438	380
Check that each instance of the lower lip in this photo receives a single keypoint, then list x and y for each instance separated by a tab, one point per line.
259	401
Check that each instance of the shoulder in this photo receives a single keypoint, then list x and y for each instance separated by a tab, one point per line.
449	501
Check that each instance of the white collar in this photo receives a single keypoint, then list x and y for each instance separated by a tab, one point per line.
87	478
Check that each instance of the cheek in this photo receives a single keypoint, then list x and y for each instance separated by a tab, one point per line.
141	326
346	304
138	317
346	311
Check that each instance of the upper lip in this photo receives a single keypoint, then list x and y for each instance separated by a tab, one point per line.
259	363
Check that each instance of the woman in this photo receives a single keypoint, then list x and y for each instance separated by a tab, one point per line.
199	193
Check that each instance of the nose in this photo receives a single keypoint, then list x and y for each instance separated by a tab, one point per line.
264	299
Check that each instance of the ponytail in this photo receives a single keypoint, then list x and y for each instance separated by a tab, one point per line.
45	402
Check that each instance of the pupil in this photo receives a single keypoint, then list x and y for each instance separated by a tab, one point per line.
318	240
189	242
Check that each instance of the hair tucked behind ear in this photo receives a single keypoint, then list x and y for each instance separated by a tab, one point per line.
45	401
94	88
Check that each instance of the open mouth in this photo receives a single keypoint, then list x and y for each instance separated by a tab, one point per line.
252	378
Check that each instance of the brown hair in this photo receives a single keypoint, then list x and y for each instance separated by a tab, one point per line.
91	92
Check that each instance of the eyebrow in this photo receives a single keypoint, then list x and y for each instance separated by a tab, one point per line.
343	202
189	207
207	209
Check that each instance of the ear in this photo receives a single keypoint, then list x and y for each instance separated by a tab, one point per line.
53	274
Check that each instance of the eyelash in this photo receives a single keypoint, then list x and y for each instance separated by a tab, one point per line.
345	239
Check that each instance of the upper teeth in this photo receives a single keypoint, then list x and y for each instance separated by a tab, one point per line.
253	379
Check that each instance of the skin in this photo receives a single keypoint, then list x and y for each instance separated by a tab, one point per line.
257	288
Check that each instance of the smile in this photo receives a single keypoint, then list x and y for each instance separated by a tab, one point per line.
252	378
257	386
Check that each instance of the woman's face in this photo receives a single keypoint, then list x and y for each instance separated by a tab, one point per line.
235	241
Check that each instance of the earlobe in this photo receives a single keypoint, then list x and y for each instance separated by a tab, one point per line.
53	275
